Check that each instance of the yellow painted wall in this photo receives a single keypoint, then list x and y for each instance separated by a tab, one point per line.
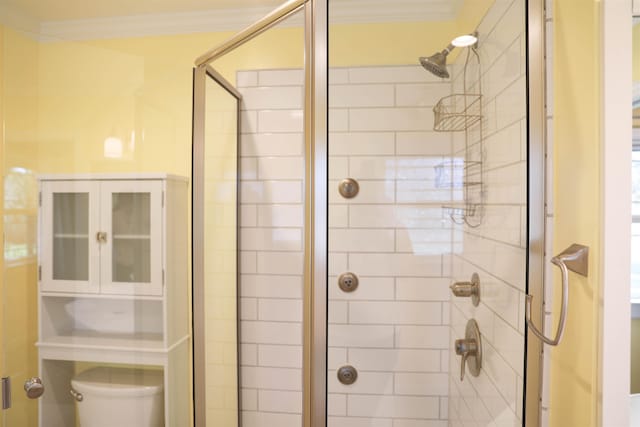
635	323
61	105
470	13
1	189
577	204
387	44
91	90
19	117
636	52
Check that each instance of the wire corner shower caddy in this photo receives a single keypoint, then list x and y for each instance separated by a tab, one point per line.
462	112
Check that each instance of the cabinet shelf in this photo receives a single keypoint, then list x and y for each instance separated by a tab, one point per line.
95	340
100	296
111	350
70	236
132	236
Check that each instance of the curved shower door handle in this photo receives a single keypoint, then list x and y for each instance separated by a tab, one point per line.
576	259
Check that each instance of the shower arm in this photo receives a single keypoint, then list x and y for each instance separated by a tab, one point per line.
447	50
576	259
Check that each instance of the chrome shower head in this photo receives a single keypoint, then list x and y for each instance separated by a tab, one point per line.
437	63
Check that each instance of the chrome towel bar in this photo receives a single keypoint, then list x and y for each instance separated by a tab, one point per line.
576	259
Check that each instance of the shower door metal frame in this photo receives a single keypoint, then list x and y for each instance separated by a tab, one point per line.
315	197
536	212
200	76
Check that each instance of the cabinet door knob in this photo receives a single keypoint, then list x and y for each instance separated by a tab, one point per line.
101	236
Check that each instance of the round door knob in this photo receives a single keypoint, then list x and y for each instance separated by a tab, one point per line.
34	388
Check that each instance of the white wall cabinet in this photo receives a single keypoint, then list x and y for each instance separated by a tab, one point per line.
102	236
113	284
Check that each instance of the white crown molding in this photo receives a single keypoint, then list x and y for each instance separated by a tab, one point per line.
344	11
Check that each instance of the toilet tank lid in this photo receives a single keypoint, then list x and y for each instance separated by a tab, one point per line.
120	381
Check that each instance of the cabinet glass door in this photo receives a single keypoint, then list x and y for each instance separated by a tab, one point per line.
70	236
131	237
68	247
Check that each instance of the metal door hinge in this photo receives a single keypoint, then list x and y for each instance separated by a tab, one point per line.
163	277
39	272
6	392
40	198
163	199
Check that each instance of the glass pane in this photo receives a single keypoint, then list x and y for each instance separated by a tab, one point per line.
635	262
270	227
20	220
131	214
131	225
70	236
131	259
20	238
439	152
71	214
635	227
635	183
220	255
97	110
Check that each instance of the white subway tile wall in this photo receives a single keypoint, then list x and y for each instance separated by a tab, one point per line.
394	327
496	249
398	327
271	247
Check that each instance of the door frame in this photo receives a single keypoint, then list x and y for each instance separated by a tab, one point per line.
536	90
198	307
614	318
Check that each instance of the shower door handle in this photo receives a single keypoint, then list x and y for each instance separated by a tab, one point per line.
34	387
576	259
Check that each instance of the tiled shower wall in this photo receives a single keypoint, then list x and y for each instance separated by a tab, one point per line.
394	327
496	249
271	247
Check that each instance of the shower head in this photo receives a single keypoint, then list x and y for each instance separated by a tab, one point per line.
437	63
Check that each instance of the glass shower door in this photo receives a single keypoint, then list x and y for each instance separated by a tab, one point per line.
215	268
427	189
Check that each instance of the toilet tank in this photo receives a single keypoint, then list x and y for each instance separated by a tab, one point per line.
119	397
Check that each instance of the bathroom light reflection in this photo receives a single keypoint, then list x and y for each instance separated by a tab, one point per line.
113	147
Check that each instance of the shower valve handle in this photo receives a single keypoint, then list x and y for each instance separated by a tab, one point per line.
468	289
465	348
470	348
34	387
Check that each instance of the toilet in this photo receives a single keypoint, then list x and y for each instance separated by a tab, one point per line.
108	397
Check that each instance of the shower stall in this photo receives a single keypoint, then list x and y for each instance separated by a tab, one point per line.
367	227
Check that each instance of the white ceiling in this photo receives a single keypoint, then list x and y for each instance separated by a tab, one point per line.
89	19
